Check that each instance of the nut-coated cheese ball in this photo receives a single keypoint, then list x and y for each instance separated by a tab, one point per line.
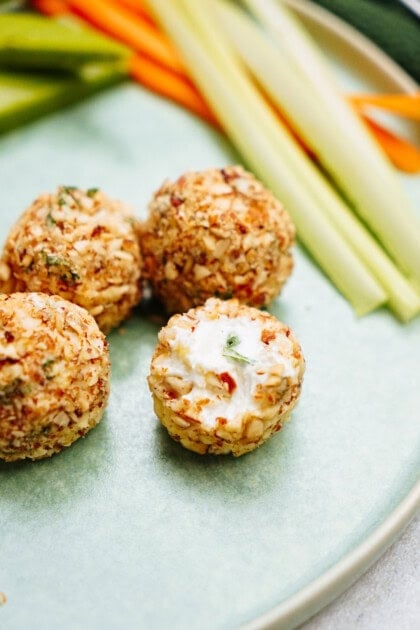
216	233
225	377
54	374
80	245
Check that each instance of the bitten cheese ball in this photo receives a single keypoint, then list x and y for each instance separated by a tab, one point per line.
54	375
80	245
216	233
225	377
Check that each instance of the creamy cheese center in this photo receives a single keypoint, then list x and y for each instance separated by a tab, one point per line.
224	346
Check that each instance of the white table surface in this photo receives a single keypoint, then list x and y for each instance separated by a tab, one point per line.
387	597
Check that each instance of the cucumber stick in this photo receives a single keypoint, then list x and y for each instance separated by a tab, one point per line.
30	41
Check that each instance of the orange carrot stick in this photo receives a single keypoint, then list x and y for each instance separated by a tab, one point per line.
51	7
407	105
130	29
149	73
170	85
137	6
404	155
178	88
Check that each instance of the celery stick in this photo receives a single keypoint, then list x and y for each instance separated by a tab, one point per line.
348	152
221	85
292	94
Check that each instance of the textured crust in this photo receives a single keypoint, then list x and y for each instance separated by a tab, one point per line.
274	400
216	233
54	375
80	245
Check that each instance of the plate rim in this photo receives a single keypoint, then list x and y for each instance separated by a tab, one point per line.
356	40
322	591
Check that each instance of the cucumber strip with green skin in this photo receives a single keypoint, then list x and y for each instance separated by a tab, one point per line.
29	41
27	96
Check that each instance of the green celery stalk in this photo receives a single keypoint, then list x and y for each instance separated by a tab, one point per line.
348	152
244	114
293	94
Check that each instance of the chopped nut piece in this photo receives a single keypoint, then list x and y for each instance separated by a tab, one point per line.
56	386
80	245
228	237
240	389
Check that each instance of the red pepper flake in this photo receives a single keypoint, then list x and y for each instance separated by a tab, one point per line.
184	416
9	337
245	290
221	421
225	175
227	380
287	332
97	231
176	201
267	336
171	394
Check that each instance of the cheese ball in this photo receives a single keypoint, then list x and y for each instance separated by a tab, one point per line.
80	245
225	377
216	233
54	375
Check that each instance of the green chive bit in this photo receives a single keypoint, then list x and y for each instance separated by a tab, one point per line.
230	353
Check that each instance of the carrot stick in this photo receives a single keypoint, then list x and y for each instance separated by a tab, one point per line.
131	29
51	7
137	6
149	73
170	85
404	155
178	88
407	105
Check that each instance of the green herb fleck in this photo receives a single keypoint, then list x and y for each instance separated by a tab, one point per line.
50	221
224	295
55	261
47	367
65	273
131	220
70	277
230	352
16	388
91	192
68	190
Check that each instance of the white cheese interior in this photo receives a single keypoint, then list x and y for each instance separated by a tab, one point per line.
200	352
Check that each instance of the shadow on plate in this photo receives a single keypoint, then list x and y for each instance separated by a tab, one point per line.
225	477
62	480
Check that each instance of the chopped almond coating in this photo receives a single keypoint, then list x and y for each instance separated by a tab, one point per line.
225	377
54	375
80	245
216	233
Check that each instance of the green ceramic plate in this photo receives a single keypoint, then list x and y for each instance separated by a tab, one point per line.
126	529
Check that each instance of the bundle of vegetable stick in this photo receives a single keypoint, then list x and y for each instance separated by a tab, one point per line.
157	66
221	47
